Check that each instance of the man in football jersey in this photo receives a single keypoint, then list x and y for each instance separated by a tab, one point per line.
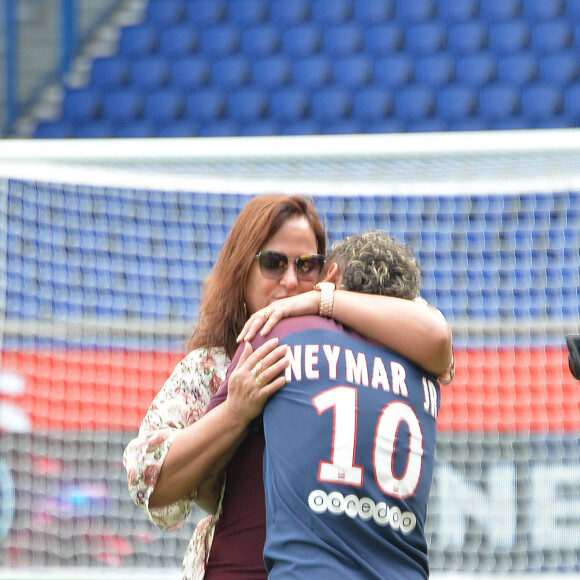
350	439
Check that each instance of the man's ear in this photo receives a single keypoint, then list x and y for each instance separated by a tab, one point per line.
333	274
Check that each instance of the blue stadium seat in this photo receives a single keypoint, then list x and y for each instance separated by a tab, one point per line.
222	128
205	105
572	9
260	128
301	39
425	37
219	40
478	68
312	71
164	12
415	11
372	103
436	69
178	128
206	12
99	129
247	12
189	72
371	12
504	10
353	71
455	102
327	12
81	104
138	40
452	10
272	71
518	68
395	70
414	102
342	127
230	72
260	40
509	36
572	101
149	72
123	105
247	104
289	103
552	35
542	9
109	71
498	101
383	39
289	12
330	103
301	127
163	105
467	37
53	130
342	39
561	68
541	101
425	125
178	40
140	129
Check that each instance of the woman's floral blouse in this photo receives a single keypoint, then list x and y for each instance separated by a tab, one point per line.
181	402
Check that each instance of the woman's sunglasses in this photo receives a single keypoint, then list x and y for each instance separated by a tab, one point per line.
274	264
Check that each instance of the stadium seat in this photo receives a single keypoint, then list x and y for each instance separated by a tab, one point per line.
415	11
478	68
205	105
164	12
312	71
498	101
301	39
138	40
455	102
272	71
509	36
372	103
561	68
425	37
330	103
425	125
189	72
542	10
414	102
149	72
247	12
219	40
178	40
395	70
122	105
163	105
467	37
289	104
222	128
572	9
206	12
109	71
371	12
541	101
289	12
518	68
342	39
260	128
342	127
260	40
383	39
571	101
178	128
136	129
53	130
327	12
81	104
436	69
452	10
99	129
247	104
301	127
230	72
353	71
496	11
551	36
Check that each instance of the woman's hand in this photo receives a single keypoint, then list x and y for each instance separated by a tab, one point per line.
255	378
265	319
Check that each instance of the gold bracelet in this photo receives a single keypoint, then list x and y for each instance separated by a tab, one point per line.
326	298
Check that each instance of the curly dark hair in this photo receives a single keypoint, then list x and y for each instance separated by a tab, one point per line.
375	263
